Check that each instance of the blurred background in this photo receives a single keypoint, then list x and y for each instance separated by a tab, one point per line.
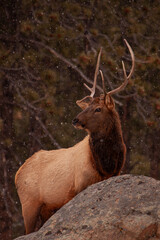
48	49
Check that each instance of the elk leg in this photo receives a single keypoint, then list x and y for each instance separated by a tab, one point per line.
30	211
46	213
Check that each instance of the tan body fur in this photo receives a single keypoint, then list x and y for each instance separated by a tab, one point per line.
52	178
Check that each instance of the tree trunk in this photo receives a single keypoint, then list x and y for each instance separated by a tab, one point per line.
154	154
5	162
126	134
35	135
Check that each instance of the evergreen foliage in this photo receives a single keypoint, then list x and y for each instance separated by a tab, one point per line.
48	49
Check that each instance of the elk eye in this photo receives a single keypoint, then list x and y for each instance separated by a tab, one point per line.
98	110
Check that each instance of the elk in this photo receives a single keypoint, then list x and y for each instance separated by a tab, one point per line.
49	179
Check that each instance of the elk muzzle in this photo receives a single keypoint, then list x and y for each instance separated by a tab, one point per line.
77	123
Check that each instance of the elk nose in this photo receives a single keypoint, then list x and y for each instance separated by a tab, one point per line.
76	120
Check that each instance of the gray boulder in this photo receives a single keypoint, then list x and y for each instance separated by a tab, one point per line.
126	207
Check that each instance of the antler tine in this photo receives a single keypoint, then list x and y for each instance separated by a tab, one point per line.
132	57
93	89
102	77
126	78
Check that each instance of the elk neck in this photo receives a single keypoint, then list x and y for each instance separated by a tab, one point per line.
108	149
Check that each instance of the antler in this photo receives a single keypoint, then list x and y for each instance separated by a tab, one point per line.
103	83
93	89
126	78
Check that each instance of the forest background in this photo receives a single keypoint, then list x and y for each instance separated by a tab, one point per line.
48	49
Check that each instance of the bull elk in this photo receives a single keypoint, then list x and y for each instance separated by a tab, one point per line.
49	179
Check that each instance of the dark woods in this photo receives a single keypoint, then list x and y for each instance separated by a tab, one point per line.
47	51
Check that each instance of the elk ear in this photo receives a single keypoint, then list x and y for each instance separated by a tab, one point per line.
85	102
109	102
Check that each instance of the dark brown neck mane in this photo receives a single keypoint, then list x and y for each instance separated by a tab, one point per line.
108	151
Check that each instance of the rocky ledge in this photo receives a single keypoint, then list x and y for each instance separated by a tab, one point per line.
126	207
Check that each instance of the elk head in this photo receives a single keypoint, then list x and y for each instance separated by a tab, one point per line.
98	113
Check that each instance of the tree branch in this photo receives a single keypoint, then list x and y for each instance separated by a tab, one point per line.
47	132
66	61
35	110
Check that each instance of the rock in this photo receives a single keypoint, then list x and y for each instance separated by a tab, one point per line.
126	207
